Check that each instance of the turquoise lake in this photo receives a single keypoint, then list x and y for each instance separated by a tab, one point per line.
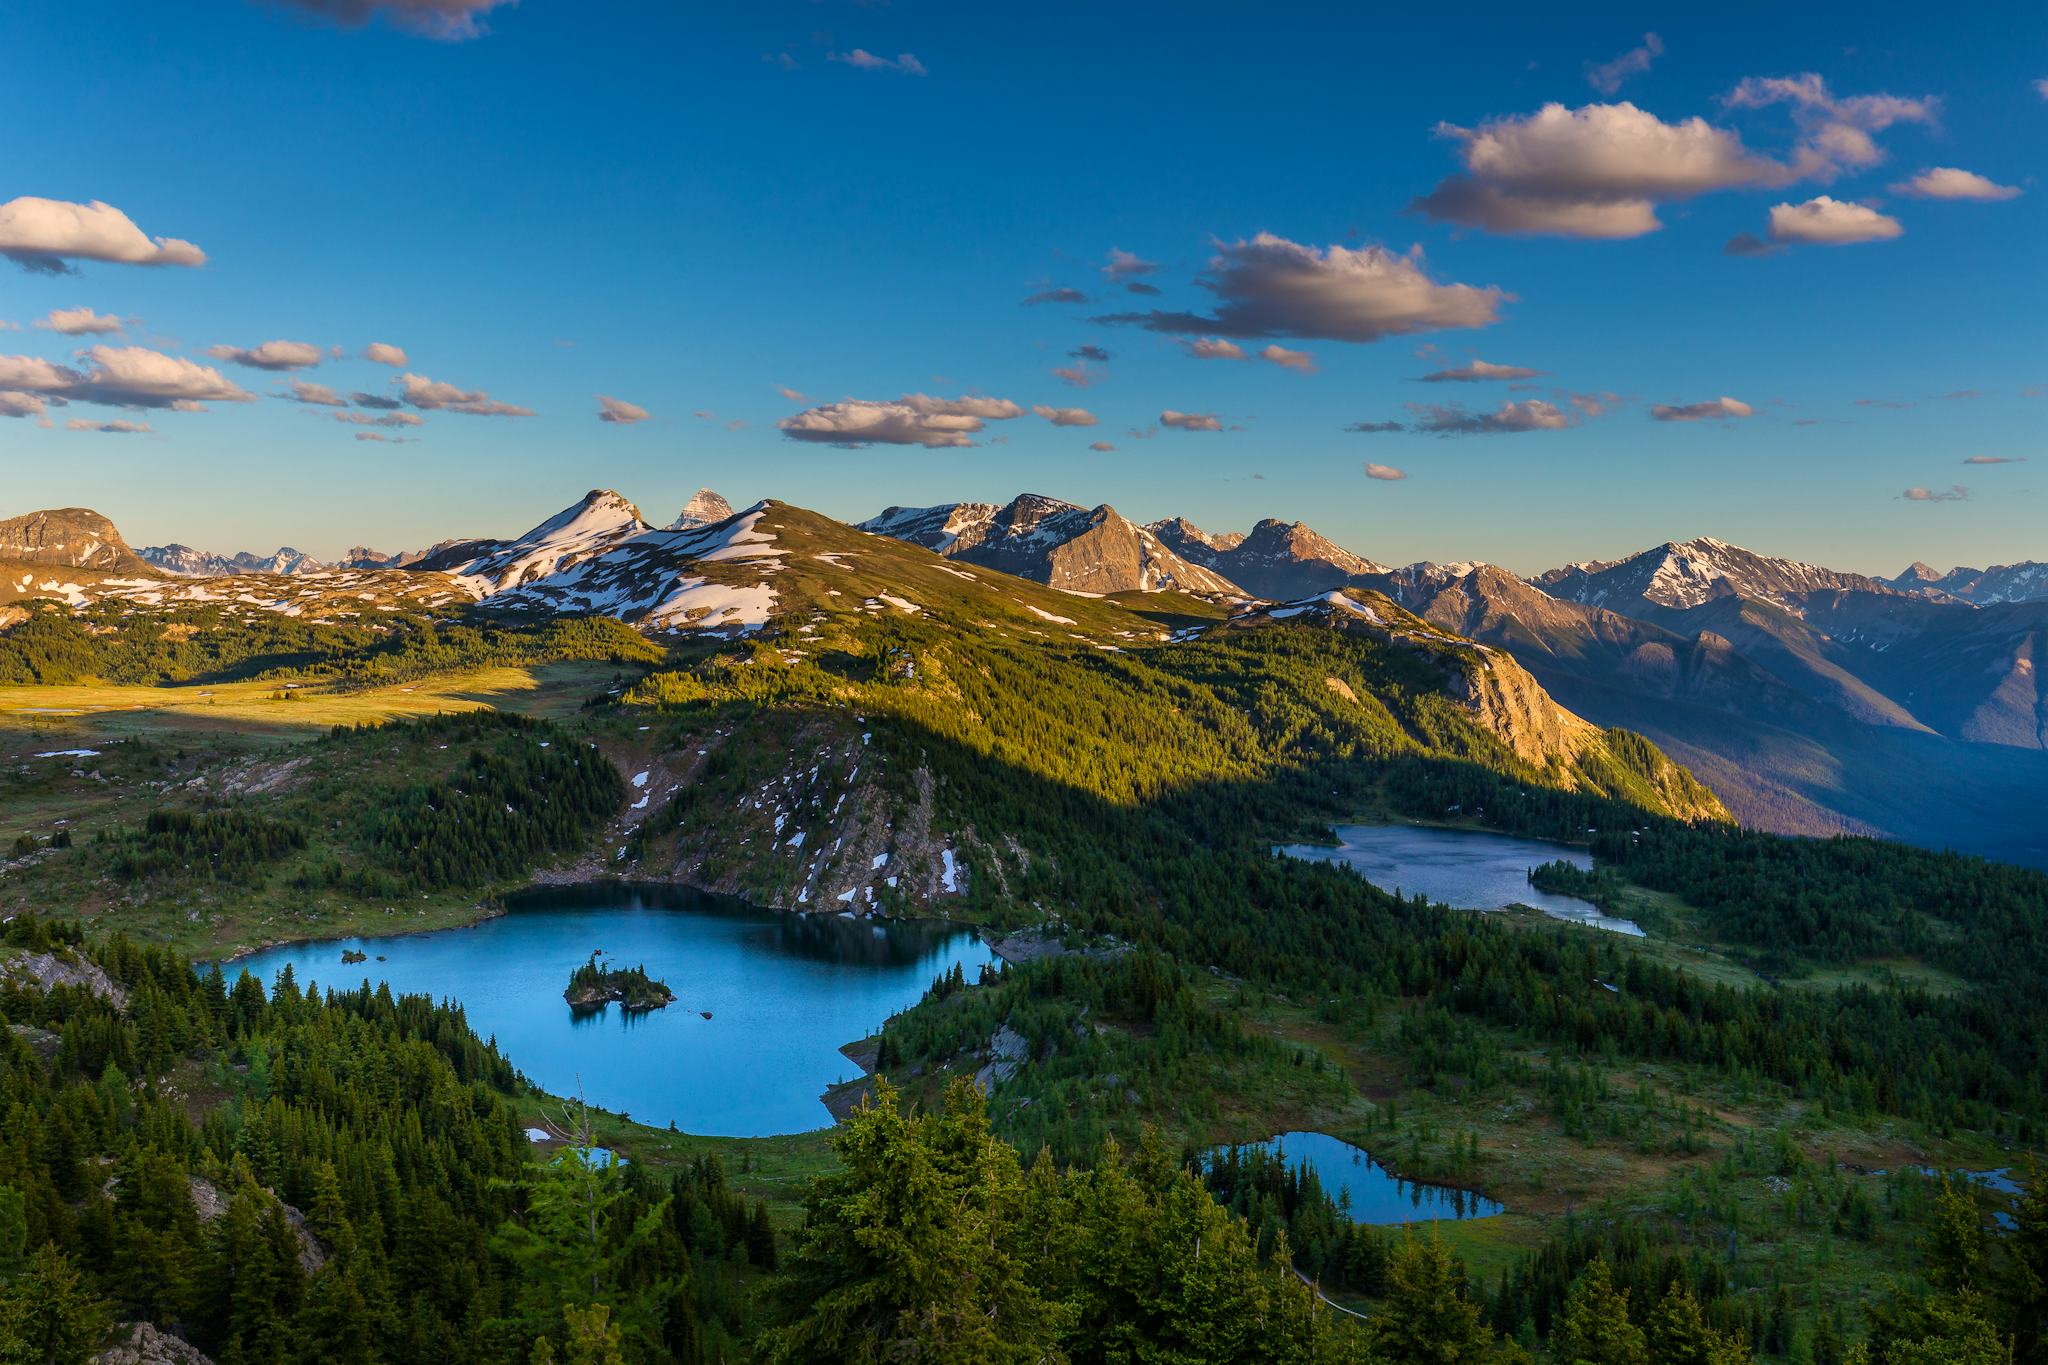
1364	1188
1464	868
784	991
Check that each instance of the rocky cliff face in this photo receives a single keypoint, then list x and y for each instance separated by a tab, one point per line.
1075	548
71	538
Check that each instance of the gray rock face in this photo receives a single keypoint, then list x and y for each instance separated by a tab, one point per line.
48	971
703	508
1078	549
1007	1050
1279	560
142	1343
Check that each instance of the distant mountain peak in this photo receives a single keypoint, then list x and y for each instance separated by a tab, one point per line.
1053	541
703	509
1686	573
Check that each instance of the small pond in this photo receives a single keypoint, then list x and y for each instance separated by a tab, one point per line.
1363	1187
1465	868
783	992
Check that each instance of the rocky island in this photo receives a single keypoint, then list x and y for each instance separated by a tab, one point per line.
592	987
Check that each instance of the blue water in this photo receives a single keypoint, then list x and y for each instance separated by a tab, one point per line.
1374	1195
784	992
1464	868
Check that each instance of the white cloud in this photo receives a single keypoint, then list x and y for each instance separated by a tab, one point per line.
1289	360
904	63
432	395
1065	417
1820	221
1955	492
1271	287
123	377
1529	414
116	428
2041	87
1126	265
271	355
619	410
1480	370
1598	171
1077	374
1384	472
13	404
1213	348
74	322
448	21
1836	133
319	395
1713	410
1609	77
44	234
1946	182
385	354
1190	421
913	420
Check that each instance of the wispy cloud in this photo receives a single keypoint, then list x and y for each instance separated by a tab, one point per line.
1101	446
903	63
1125	266
115	428
318	395
432	395
1059	295
447	21
1065	417
1712	410
1479	371
1190	421
1286	359
1995	459
386	354
271	355
618	410
1530	414
1213	348
1384	472
1955	492
1375	428
1609	77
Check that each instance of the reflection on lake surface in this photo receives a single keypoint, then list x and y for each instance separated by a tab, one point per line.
1363	1187
783	991
1464	868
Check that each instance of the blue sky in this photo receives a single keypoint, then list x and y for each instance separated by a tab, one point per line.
693	208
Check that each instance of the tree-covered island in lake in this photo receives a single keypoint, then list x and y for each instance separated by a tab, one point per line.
592	987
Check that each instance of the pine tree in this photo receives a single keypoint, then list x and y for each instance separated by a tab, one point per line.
1428	1317
1678	1335
48	1316
1596	1329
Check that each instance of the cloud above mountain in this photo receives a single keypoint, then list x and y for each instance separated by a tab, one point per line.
431	395
1479	371
1269	286
123	377
74	322
1599	171
1713	410
913	420
271	355
1820	221
1948	182
45	236
1529	414
618	410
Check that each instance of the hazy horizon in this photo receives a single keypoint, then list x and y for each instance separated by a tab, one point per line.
1530	291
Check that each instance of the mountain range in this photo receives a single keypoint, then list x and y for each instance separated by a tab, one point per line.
1810	700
